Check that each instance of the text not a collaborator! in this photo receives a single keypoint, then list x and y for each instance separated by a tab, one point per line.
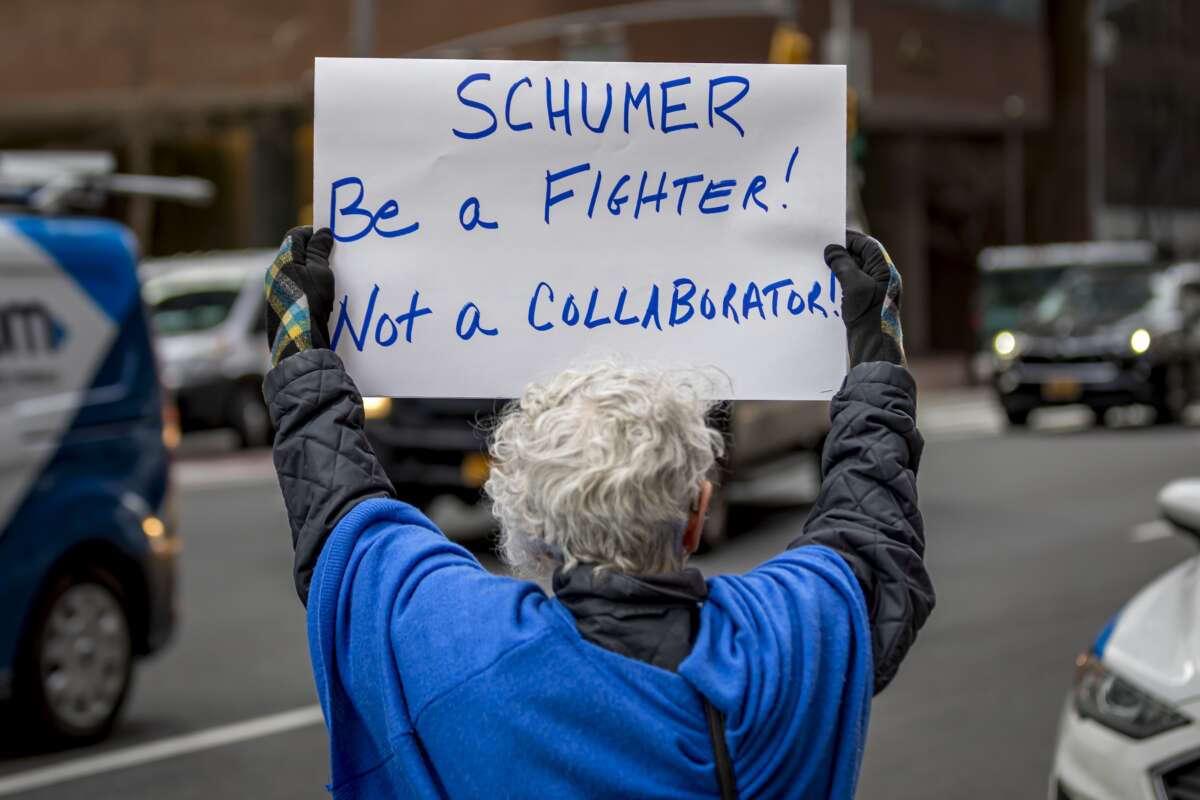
683	302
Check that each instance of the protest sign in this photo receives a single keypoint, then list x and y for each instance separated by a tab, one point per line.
496	221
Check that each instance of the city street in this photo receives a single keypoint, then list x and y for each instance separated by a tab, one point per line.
1034	539
209	208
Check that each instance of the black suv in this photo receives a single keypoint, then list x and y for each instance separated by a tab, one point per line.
1106	337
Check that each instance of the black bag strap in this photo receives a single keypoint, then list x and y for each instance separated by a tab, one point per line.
716	731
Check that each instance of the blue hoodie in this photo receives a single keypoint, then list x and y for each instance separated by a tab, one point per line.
439	679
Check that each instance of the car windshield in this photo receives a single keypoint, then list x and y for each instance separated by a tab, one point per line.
193	311
1098	294
1004	294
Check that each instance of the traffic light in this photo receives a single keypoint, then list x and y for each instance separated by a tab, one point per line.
789	45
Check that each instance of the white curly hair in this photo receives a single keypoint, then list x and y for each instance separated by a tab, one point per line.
601	465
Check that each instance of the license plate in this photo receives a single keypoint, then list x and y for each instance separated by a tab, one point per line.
475	470
1062	390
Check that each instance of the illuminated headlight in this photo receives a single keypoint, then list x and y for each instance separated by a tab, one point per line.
1139	341
1117	704
377	407
153	527
1005	344
159	538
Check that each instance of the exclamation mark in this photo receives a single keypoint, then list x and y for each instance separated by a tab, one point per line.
787	176
833	293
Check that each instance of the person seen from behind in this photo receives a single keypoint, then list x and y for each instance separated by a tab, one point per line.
637	677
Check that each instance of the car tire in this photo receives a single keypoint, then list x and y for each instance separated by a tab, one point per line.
75	665
1017	417
1171	398
249	417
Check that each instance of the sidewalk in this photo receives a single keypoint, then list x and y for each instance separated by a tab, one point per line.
940	372
949	406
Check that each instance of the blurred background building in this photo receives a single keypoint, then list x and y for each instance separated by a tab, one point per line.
975	122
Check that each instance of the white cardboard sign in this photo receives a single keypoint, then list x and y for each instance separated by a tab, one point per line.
497	221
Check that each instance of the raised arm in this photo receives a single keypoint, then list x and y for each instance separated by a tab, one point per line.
867	507
324	462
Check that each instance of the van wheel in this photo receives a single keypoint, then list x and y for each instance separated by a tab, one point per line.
73	673
250	418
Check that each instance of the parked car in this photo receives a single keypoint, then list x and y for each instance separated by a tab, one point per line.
1012	278
433	448
1104	338
209	316
87	533
1130	728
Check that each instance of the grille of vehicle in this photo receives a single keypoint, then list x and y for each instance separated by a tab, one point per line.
445	410
1182	782
426	440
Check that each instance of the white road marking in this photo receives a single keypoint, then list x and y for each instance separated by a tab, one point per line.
1151	531
170	747
962	414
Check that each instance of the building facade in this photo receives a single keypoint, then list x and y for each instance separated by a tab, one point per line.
973	114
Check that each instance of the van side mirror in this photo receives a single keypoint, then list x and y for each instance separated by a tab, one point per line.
1179	504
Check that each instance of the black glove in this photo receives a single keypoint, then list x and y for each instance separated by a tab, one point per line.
871	290
299	289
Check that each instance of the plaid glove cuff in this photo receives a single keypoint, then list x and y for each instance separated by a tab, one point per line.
289	326
890	313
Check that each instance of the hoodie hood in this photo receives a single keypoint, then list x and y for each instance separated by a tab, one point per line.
651	618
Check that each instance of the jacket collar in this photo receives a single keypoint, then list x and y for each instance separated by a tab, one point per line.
651	618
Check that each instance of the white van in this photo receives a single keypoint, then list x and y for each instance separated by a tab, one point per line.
208	312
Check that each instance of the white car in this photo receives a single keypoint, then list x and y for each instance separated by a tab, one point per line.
1130	728
209	314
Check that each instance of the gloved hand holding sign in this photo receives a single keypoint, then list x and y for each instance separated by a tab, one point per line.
299	288
871	290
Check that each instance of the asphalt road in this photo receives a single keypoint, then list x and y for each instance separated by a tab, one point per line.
1030	546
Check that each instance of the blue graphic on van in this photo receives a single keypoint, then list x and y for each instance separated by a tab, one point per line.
98	254
30	328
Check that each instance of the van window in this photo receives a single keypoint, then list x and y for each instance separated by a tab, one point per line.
193	311
1100	295
1005	294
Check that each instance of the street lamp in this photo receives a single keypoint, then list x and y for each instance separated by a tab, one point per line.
362	28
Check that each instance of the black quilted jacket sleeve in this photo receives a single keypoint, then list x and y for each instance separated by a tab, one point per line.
325	464
867	508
